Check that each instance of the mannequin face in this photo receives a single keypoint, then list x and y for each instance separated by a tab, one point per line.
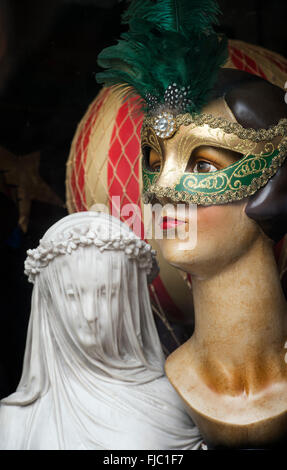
86	292
224	232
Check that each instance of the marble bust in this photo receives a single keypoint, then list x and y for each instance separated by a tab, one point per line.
93	374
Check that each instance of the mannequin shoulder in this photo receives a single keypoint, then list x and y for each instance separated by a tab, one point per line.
178	363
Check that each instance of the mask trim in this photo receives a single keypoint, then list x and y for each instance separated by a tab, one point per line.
255	135
235	182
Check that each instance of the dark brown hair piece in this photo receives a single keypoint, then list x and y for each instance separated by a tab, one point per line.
257	103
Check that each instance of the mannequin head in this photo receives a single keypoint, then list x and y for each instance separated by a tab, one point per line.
225	231
190	102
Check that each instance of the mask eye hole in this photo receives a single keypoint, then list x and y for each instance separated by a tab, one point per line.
205	159
152	159
201	166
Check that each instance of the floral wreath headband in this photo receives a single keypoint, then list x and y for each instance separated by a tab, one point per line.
68	241
263	150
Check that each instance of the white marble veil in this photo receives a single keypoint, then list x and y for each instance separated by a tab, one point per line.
93	367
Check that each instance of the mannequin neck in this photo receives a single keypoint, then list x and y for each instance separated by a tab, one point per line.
240	322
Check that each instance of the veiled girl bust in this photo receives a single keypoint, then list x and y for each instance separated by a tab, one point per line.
93	367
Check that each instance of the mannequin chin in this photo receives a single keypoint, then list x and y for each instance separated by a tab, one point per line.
224	234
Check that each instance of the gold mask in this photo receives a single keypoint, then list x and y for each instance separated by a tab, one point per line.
263	152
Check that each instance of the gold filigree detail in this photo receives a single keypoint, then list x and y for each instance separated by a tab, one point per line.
149	138
184	150
210	182
254	135
225	195
146	182
256	165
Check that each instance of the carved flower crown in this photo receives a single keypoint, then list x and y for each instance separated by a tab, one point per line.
65	243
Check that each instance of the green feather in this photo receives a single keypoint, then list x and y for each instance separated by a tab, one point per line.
167	42
187	17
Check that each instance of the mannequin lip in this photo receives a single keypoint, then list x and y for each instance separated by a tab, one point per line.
166	223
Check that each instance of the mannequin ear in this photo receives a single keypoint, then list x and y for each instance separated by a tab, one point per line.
268	206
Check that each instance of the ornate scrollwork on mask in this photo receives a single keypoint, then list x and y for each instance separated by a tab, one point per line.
149	139
233	183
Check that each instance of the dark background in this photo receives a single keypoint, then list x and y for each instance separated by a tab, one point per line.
48	52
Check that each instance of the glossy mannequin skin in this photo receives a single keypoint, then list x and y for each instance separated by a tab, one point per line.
231	373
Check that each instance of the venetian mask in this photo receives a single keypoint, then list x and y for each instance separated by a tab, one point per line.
169	144
173	65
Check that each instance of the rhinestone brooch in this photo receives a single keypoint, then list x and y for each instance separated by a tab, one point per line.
164	125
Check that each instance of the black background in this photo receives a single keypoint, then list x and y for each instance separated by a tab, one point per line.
48	52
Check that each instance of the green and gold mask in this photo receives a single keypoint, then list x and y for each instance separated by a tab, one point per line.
262	153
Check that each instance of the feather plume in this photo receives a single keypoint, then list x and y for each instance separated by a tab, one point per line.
189	17
170	42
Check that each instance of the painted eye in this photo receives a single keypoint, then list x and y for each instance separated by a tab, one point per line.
155	167
203	167
152	159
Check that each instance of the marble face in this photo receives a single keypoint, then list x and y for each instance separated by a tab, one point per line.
90	303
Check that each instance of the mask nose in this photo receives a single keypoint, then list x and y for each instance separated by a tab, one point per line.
172	169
